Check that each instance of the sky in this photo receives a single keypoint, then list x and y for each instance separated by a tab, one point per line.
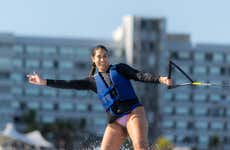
207	21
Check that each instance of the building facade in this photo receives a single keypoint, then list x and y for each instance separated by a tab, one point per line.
52	58
195	115
142	43
187	116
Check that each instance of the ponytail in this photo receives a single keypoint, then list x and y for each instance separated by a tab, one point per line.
92	70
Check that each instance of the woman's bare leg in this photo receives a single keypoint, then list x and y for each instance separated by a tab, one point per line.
114	137
137	127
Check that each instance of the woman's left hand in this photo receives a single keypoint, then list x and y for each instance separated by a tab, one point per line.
166	81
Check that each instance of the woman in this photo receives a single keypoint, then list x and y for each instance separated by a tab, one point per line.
112	84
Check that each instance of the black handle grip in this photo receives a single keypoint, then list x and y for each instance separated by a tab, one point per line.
169	73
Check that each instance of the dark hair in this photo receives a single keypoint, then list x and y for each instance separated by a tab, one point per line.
93	51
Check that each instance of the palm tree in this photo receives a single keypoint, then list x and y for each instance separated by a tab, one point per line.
65	133
29	118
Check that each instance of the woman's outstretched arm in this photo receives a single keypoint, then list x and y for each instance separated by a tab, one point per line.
137	75
83	84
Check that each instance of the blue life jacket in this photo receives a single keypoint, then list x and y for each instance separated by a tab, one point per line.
122	86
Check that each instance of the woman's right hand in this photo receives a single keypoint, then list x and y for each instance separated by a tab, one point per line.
36	79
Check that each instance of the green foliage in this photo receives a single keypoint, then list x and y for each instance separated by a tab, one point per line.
63	133
214	142
162	144
29	118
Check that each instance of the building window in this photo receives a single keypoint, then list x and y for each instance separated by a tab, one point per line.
49	51
200	70
199	56
209	56
226	140
82	93
167	124
181	124
186	68
48	119
167	110
17	77
66	93
100	121
48	64
199	97
4	119
80	65
66	65
4	89
228	112
182	96
56	64
82	107
5	106
184	55
180	138
23	105
223	71
182	110
218	57
143	25
4	75
32	91
214	70
203	139
33	105
228	125
144	46
214	98
66	51
15	105
66	106
33	50
5	63
168	96
49	92
17	63
82	52
202	125
152	46
48	106
228	58
227	98
151	60
216	112
98	107
17	90
65	76
217	125
18	49
32	64
200	111
169	137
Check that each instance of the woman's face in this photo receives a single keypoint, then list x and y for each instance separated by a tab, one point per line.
101	60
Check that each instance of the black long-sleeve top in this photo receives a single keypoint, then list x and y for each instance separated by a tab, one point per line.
90	84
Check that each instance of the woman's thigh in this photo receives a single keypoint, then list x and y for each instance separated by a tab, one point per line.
114	137
137	128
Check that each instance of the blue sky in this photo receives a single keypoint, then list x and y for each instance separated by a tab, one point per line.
207	21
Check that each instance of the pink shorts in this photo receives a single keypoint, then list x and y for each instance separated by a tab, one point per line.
123	120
